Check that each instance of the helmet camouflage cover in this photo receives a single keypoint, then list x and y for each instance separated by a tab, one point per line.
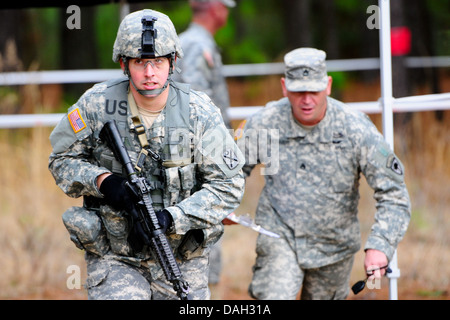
129	36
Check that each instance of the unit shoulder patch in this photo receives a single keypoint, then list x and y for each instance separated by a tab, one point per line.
230	158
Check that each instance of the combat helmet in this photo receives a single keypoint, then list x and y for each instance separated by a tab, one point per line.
146	34
132	29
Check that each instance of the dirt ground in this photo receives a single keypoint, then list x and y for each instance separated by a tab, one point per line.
415	292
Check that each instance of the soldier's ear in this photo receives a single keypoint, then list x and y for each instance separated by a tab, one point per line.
174	64
330	83
122	65
283	86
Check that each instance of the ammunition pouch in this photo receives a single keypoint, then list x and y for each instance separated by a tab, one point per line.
117	229
192	244
85	230
180	181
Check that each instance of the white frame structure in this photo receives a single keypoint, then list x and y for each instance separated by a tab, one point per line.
387	113
385	105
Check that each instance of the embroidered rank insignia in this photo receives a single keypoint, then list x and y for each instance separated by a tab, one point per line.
208	58
240	130
395	165
230	159
76	121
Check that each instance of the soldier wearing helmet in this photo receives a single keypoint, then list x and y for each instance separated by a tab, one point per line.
139	39
195	183
202	68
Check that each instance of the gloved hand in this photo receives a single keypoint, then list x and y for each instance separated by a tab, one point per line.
116	193
138	237
165	219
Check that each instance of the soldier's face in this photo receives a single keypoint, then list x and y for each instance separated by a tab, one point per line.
149	74
221	14
308	107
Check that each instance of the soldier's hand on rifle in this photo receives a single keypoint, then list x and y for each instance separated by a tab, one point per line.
115	192
165	219
116	195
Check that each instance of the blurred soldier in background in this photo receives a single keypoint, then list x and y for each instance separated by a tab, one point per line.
201	67
194	182
312	199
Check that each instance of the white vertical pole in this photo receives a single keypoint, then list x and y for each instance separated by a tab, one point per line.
387	115
386	72
124	9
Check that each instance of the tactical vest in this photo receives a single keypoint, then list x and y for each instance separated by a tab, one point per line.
172	178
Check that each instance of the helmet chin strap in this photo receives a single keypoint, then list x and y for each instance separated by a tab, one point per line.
153	91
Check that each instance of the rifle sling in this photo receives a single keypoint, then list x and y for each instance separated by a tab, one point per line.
139	128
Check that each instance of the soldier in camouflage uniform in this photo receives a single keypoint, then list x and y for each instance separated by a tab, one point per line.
195	185
316	147
201	67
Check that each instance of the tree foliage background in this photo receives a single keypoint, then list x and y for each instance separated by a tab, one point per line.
258	30
37	37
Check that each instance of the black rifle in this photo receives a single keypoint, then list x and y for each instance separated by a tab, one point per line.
145	216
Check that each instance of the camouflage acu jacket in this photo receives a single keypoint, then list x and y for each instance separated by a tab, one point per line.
202	185
312	178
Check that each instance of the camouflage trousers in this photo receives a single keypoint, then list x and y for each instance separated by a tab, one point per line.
112	279
215	262
278	276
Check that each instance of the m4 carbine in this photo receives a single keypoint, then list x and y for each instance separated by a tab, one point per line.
144	215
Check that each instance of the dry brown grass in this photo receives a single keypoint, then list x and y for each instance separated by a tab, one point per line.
36	249
35	246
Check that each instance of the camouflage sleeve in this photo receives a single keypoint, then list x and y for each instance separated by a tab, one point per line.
195	69
219	167
248	146
258	139
385	175
70	161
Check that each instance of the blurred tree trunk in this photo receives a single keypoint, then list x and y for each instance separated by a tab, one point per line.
423	46
399	71
11	39
16	48
370	48
328	10
400	77
78	47
298	23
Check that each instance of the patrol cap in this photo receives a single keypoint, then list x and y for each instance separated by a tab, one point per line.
228	3
305	70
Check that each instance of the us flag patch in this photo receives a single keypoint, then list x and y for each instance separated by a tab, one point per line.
76	121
